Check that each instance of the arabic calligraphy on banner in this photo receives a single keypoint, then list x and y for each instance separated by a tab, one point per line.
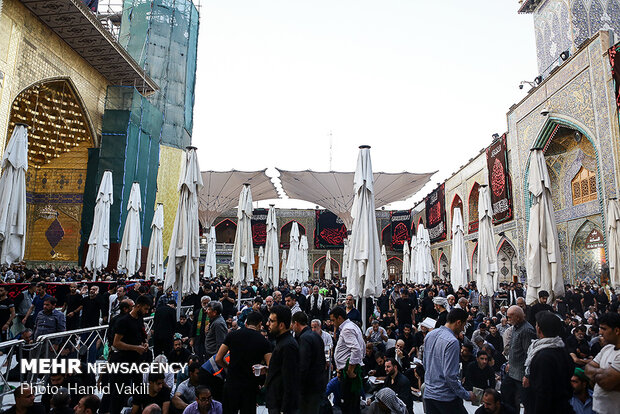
595	240
400	224
436	214
501	191
329	231
259	226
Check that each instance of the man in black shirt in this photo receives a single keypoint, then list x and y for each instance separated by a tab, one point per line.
311	364
542	305
158	394
184	328
73	306
7	313
130	346
179	353
247	347
164	322
24	402
91	308
398	382
404	309
479	374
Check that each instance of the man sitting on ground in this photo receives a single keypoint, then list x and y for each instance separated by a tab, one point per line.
492	404
204	403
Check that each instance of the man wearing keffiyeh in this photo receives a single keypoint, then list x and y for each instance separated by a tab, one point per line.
199	328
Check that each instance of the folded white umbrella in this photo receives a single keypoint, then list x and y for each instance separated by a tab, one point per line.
283	275
303	258
344	274
414	257
272	253
364	273
155	257
130	256
384	268
182	271
429	266
613	242
406	262
293	272
328	265
487	278
99	239
543	246
211	258
458	261
261	264
243	249
13	197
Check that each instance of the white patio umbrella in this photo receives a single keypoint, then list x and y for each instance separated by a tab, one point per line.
99	239
272	252
364	278
283	275
414	257
543	247
155	257
328	265
424	260
613	242
406	262
182	271
293	272
303	258
459	265
211	258
130	256
384	268
261	264
13	197
429	266
487	277
243	249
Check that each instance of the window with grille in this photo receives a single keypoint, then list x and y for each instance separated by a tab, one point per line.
584	186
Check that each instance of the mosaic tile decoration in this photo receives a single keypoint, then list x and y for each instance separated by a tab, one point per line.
170	164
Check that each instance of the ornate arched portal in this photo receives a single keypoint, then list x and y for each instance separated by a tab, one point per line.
318	268
59	135
225	231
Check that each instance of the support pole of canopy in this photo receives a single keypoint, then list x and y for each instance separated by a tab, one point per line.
239	296
179	300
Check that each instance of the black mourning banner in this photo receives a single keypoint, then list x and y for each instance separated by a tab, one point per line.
501	191
400	223
614	59
436	214
259	226
329	231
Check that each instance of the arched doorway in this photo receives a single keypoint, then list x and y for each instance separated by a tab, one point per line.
395	268
456	203
473	208
225	231
386	236
588	252
59	136
507	259
444	267
318	268
285	234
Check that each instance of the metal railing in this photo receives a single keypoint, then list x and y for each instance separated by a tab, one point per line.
9	350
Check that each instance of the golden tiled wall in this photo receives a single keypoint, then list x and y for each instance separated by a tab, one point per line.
170	164
61	182
29	53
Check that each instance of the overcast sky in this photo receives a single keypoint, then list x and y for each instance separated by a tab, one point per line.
425	83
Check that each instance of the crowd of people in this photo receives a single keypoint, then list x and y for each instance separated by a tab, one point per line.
302	348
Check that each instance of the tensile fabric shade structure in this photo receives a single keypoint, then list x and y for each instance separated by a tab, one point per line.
13	197
243	249
211	258
155	258
487	278
613	242
406	262
130	256
221	191
182	271
335	191
364	274
293	272
99	239
543	247
459	264
272	252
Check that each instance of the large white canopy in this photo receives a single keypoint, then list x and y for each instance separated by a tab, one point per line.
406	262
613	242
99	239
222	188
130	257
293	271
243	249
335	190
459	264
487	278
272	253
155	258
211	258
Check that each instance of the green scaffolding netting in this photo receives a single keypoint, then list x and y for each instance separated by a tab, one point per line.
162	36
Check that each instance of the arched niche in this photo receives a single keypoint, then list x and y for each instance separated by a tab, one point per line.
507	261
225	231
285	233
318	268
472	205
